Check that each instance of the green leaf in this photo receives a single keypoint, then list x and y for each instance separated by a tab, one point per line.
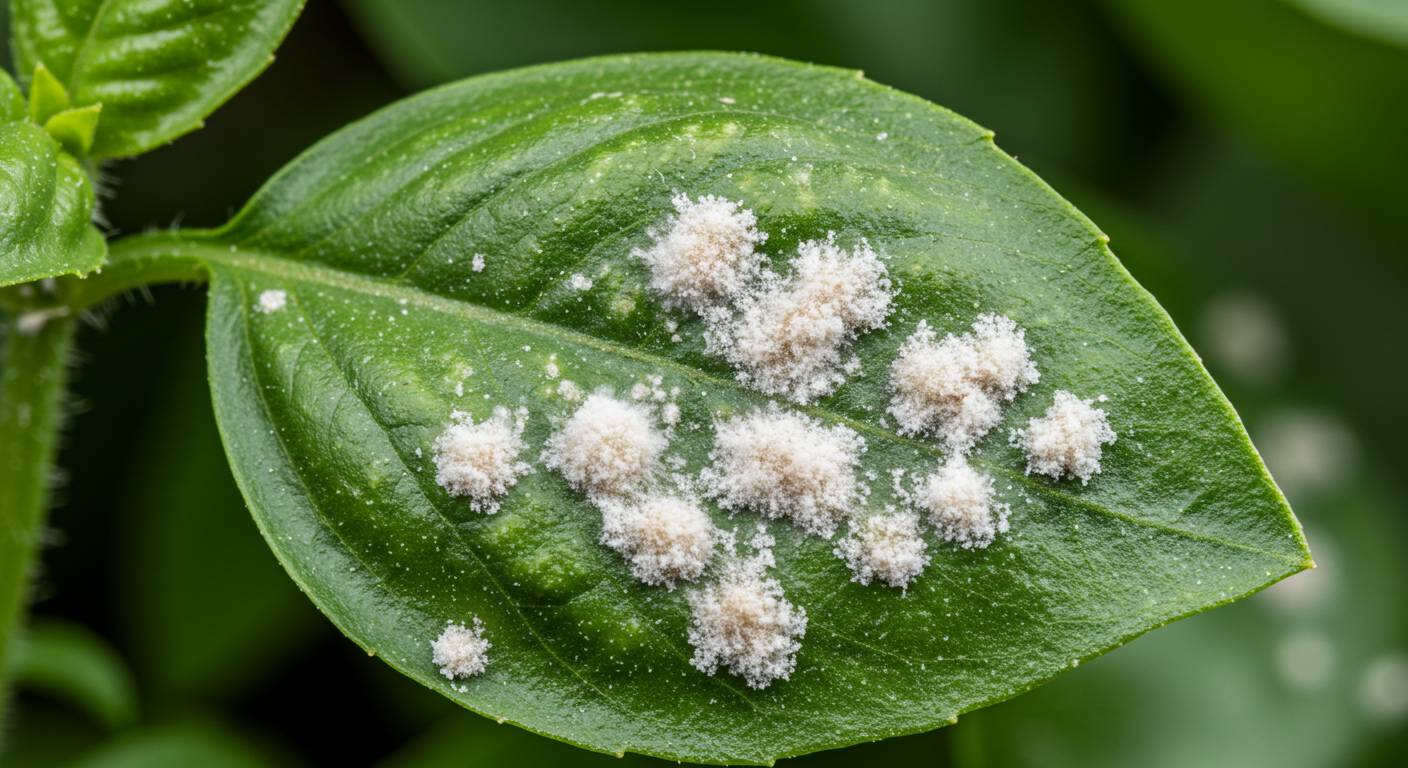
74	128
1278	77
328	406
158	68
70	661
46	202
12	105
47	96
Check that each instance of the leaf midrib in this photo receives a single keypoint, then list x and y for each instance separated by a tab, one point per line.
281	268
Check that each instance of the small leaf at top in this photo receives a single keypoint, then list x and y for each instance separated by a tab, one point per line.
466	258
158	68
47	96
74	128
46	199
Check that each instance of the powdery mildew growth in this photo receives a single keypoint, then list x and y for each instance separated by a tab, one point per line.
886	548
743	622
783	464
665	539
1067	440
705	253
271	301
608	447
786	335
953	387
959	500
461	651
480	460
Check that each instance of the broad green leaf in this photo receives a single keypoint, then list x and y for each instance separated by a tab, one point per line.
328	405
69	661
46	201
158	68
1297	87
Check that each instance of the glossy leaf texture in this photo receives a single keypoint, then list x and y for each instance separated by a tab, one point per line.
46	201
329	401
158	68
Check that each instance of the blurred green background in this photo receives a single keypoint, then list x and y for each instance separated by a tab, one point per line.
1248	159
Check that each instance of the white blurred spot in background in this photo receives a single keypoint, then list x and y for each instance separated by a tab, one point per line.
1305	659
1243	336
1384	689
1307	451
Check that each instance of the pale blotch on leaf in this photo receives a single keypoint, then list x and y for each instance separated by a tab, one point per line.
608	447
705	253
953	387
271	301
744	623
665	539
786	335
783	464
886	548
461	651
480	461
959	500
1068	440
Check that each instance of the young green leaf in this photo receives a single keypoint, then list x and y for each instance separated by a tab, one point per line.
46	199
471	248
157	68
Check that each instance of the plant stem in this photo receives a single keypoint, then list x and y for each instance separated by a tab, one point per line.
33	367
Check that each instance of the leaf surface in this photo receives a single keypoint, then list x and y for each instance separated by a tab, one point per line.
328	405
158	68
46	201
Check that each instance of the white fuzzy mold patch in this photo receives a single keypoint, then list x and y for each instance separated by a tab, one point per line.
704	254
783	464
886	548
609	447
953	387
480	461
461	651
960	505
786	335
1068	440
665	539
744	623
271	301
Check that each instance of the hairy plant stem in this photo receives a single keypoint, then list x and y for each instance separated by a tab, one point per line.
33	365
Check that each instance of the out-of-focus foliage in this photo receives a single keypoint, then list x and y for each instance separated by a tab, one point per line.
1043	75
1330	104
67	661
1380	19
1214	217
